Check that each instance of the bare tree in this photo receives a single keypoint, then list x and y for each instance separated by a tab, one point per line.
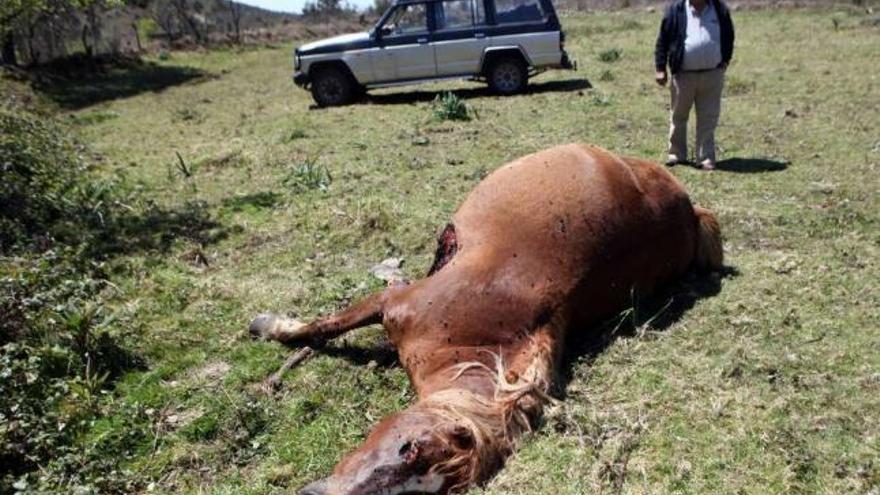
235	11
380	6
185	14
31	33
11	14
323	9
35	24
137	35
165	18
91	31
7	50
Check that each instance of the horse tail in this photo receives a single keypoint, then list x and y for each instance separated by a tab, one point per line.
709	253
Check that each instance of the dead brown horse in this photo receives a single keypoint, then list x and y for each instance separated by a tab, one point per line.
548	243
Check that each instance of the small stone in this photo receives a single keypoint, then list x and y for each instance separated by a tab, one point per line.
388	270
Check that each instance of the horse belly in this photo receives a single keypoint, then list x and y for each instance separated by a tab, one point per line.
579	227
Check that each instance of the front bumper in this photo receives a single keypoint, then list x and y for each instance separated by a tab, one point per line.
301	79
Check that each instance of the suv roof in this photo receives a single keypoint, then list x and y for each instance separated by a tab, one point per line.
551	21
404	2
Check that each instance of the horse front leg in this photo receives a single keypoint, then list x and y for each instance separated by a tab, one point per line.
292	331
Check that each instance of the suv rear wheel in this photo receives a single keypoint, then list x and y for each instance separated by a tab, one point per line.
331	86
508	75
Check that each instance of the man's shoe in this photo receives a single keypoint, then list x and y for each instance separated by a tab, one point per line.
708	164
672	160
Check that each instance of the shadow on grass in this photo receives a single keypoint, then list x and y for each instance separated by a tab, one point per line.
383	354
403	98
750	165
655	313
79	82
156	230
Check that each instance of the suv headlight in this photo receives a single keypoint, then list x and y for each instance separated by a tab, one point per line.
296	61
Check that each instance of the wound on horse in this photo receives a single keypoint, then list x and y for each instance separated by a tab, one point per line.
447	246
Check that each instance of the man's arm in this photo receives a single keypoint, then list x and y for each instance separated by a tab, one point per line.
727	41
661	48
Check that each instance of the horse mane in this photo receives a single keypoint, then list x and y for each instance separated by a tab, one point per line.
496	422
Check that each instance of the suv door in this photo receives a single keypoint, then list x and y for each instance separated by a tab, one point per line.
459	37
404	52
531	25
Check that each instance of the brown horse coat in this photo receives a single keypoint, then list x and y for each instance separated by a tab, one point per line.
544	246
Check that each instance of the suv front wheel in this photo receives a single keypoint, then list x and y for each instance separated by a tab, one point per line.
331	87
508	75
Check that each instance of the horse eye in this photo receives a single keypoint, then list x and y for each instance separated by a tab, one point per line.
405	448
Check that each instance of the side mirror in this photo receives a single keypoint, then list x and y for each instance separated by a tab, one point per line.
386	30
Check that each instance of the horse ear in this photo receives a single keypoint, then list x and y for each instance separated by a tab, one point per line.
462	437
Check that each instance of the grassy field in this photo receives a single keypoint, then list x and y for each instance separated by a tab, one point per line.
770	386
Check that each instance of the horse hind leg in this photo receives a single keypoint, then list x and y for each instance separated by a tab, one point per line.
291	331
709	252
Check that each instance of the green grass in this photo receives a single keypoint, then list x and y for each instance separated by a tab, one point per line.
771	386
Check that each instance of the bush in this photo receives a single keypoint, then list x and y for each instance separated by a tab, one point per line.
307	176
45	193
56	362
448	106
58	356
609	56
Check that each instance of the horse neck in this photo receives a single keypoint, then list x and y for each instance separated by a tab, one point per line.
498	404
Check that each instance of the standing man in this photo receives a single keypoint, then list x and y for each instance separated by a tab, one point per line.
696	41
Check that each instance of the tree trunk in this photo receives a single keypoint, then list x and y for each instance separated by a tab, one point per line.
235	11
137	36
51	39
94	30
7	51
85	41
185	18
31	34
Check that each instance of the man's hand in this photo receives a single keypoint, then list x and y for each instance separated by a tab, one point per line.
661	77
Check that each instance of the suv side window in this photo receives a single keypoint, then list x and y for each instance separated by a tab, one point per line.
515	11
460	14
407	19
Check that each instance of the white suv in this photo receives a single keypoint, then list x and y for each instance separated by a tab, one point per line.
502	42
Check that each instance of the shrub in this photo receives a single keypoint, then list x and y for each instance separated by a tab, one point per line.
306	176
44	193
58	356
56	361
148	28
448	106
293	135
611	55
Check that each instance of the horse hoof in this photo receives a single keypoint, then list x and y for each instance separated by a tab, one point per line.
262	326
315	488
